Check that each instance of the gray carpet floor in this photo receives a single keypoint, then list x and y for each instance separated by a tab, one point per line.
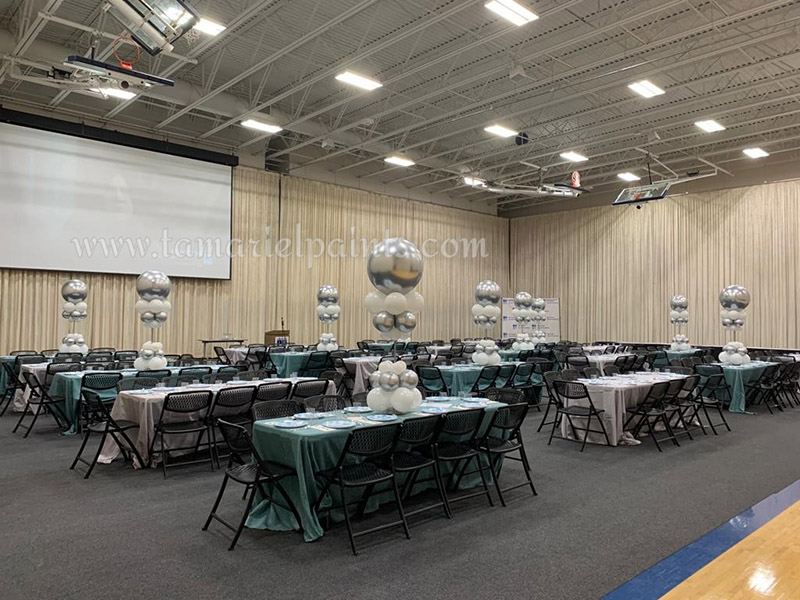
600	518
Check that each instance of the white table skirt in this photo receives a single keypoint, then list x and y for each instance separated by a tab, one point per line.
601	361
364	365
236	353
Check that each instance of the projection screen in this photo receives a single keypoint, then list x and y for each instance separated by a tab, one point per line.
71	204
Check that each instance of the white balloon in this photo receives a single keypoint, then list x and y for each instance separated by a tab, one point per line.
167	306
69	306
320	310
373	302
333	309
745	359
74	348
480	358
398	367
140	364
492	310
379	400
158	362
396	303
157	346
405	400
723	357
477	309
493	359
386	367
414	302
736	359
156	305
81	306
142	306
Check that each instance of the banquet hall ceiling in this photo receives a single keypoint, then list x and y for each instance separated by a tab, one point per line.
446	67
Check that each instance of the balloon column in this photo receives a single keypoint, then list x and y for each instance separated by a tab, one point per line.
394	386
486	353
328	308
734	299
486	310
73	342
153	307
327	343
679	316
395	268
74	293
523	308
539	316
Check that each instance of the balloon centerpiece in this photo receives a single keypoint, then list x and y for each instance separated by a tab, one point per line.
539	316
486	353
327	343
679	316
734	299
328	308
486	310
524	341
153	287
73	342
394	387
395	268
523	308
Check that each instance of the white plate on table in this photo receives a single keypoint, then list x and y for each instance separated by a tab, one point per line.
289	424
340	424
357	409
308	416
439	398
198	385
434	410
382	418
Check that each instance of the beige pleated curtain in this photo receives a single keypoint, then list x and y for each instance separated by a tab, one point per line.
265	287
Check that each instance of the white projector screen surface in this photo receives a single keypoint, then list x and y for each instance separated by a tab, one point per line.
71	204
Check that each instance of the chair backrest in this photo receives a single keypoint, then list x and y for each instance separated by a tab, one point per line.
100	381
657	394
54	368
324	403
430	378
67	359
136	383
569	375
23	352
508	419
312	387
154	374
236	400
611	370
463	423
187	402
486	378
279	390
371	442
98	366
622	363
126	355
241	446
294	348
276	409
98	357
96	408
220	352
317	361
28	359
505	395
591	372
522	375
570	390
420	431
578	362
196	372
49	353
505	374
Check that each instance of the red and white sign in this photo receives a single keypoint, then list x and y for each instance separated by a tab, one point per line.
576	179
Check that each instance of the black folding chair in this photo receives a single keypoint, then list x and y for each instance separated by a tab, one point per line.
316	363
505	395
486	379
307	389
40	402
100	421
232	404
276	409
279	390
567	394
365	461
247	467
431	381
183	413
654	409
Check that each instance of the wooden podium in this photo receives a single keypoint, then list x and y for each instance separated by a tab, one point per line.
270	337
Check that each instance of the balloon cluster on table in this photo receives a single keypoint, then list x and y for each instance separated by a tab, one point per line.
734	353
524	341
74	293
486	353
328	308
486	310
395	268
151	357
327	343
153	307
394	386
679	316
734	299
73	342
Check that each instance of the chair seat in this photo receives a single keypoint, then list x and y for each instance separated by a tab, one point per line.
455	451
182	427
358	474
248	473
499	445
405	460
580	411
121	424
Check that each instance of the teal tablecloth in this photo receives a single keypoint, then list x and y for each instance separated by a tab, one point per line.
68	385
289	362
3	376
307	451
679	354
508	354
736	377
385	346
460	378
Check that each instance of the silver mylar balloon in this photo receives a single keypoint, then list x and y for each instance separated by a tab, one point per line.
375	379
727	322
738	323
678	302
734	297
75	314
69	340
492	320
74	290
406	321
327	294
147	317
488	292
83	315
161	317
482	319
477	322
523	299
389	381
539	303
147	354
152	285
66	314
383	321
395	265
409	379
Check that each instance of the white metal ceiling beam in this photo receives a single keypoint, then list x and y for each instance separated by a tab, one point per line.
30	34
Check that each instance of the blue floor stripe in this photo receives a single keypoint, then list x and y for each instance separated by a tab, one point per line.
676	568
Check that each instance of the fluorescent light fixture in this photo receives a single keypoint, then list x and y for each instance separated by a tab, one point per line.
628	176
500	130
755	152
365	83
512	11
209	27
646	88
114	93
261	126
474	182
399	161
710	126
154	24
573	157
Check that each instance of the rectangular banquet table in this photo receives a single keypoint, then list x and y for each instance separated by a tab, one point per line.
364	365
736	376
288	364
508	354
314	448
459	379
68	386
236	353
614	395
3	376
144	407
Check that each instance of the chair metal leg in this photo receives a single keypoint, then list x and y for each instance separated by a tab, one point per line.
653	434
400	505
546	412
556	422
96	454
347	521
483	480
526	466
216	502
80	451
437	475
22	416
243	520
496	478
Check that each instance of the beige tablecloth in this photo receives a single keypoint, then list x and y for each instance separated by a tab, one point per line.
603	360
236	353
364	365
